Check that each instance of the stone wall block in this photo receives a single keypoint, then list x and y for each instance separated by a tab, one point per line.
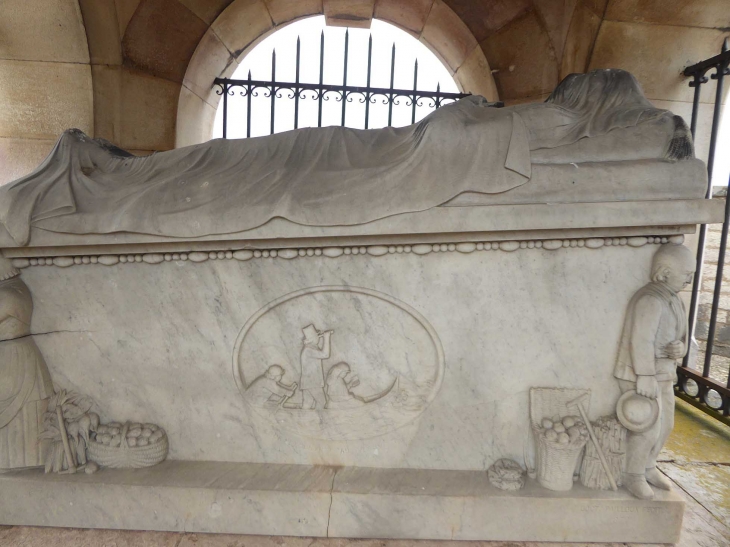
148	111
107	102
522	54
694	13
285	11
475	76
41	100
598	7
410	15
161	38
195	119
242	25
448	36
210	60
485	17
42	30
102	31
125	11
207	10
348	13
656	55
579	41
18	157
557	16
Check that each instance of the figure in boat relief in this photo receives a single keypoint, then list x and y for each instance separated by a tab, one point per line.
313	391
268	390
340	386
377	371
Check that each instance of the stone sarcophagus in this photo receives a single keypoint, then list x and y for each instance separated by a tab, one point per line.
417	333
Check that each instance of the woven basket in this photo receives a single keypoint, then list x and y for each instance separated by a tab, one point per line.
556	462
129	456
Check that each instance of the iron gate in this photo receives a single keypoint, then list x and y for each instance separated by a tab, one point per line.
320	91
699	388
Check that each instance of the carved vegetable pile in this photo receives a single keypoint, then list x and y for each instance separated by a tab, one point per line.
128	445
136	435
570	431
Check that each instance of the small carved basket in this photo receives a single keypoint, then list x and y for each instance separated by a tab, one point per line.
557	462
129	456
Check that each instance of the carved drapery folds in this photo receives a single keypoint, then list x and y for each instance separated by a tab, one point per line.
25	383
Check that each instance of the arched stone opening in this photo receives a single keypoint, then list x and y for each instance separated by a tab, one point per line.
118	66
245	23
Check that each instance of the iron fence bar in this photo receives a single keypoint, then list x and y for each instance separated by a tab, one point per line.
349	89
273	89
320	96
391	97
697	84
296	91
367	94
249	91
708	64
415	87
720	76
225	110
344	76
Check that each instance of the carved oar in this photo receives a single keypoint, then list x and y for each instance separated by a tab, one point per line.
376	396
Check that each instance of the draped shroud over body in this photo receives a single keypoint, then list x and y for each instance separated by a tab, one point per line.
335	176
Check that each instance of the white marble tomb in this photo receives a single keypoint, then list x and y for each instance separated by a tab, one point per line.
358	380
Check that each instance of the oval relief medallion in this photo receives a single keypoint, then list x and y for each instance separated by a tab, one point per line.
338	363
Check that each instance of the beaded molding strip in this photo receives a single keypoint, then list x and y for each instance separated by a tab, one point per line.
335	252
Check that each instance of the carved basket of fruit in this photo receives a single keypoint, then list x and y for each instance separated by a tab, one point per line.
559	444
129	445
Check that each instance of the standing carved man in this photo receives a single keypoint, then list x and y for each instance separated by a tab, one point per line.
654	338
311	382
25	383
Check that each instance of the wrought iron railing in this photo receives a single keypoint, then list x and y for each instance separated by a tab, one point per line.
699	389
320	92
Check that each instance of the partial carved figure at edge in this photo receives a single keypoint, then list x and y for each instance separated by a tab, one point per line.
654	338
25	383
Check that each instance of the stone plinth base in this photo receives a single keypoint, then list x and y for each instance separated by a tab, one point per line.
322	501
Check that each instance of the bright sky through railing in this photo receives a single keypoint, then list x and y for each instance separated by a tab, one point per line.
431	72
722	153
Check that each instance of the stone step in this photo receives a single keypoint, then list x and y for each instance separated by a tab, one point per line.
322	501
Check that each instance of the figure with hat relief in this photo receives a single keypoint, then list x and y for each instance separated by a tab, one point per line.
315	348
653	339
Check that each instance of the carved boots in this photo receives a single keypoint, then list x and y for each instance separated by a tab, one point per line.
637	485
657	478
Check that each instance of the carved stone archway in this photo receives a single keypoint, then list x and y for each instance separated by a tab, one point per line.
245	23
